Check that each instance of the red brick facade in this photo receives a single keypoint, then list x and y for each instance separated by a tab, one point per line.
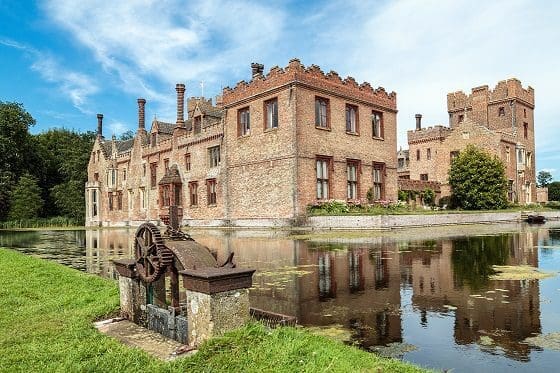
500	121
265	152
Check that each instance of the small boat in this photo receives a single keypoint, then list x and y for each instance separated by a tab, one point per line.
536	219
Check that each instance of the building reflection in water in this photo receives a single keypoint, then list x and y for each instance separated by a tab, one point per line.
358	286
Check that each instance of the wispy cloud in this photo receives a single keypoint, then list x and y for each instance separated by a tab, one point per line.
184	42
76	86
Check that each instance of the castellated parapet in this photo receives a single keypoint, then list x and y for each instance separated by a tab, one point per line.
505	90
428	134
297	73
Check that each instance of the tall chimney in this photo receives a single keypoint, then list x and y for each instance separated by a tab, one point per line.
418	121
180	88
257	69
141	114
99	125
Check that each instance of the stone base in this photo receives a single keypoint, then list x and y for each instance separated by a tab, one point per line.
133	299
211	315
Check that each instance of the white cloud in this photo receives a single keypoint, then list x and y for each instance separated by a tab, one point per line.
117	128
150	44
78	87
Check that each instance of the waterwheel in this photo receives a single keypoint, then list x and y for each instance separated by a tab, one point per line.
151	254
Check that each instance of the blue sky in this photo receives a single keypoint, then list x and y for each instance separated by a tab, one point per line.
67	60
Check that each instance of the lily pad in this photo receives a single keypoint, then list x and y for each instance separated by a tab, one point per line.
549	341
394	350
522	272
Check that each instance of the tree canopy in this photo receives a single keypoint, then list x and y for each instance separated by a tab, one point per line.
554	191
544	178
477	180
52	164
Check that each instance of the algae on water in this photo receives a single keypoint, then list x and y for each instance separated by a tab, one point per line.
522	272
549	341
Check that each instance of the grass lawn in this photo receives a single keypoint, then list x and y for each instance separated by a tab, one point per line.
46	325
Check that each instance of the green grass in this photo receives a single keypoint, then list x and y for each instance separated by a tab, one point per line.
46	325
55	221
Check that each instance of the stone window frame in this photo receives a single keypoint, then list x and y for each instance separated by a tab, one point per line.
525	130
417	154
461	118
378	180
501	111
322	113
130	200
353	183
428	154
166	165
110	200
119	200
214	156
424	177
197	124
193	193
153	175
323	174
348	122
211	192
377	120
243	122
94	203
188	162
143	201
270	120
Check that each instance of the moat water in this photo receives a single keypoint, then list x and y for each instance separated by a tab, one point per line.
421	295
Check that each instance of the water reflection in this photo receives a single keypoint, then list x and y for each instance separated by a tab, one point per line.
382	290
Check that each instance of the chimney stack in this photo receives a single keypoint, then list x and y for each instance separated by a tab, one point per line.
418	121
99	125
180	88
141	114
257	69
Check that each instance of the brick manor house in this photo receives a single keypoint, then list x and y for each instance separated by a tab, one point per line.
266	150
499	121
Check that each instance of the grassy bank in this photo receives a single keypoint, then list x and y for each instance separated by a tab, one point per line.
46	325
56	221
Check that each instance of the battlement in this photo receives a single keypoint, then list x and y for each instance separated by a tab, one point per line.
312	76
505	90
437	132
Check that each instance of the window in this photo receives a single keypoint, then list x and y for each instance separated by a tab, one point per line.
428	154
112	177
193	193
271	110
153	174
377	124
424	177
165	197
508	158
154	138
401	163
351	118
501	111
417	154
130	199
197	124
143	169
211	190
378	181
178	189
524	113
143	198
454	154
94	203
188	161
124	174
461	118
520	156
323	165
214	156
243	122
110	200
528	159
166	165
321	112
96	176
352	168
525	130
119	200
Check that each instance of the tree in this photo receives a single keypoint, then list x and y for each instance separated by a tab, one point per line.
554	191
428	196
6	186
478	180
26	201
127	135
16	145
544	178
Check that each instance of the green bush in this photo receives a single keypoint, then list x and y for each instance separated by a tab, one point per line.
428	196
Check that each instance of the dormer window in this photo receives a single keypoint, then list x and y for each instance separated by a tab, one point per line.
197	124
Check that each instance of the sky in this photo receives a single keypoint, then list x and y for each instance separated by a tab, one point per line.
68	60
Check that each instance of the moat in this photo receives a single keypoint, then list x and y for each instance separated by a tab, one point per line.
425	293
